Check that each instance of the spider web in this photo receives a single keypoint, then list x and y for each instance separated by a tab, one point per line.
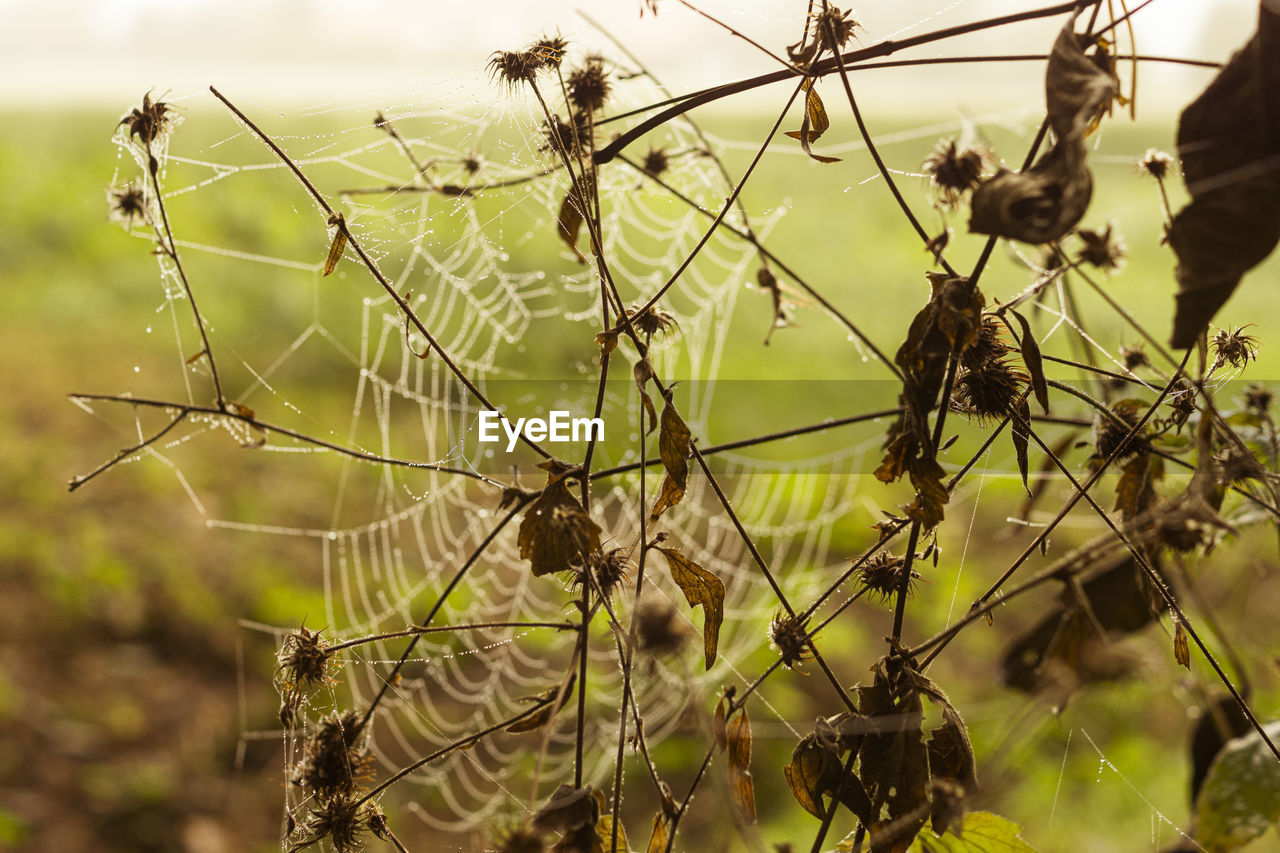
505	300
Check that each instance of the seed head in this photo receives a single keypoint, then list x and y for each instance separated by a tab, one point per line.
655	162
341	821
1257	399
550	50
790	636
659	628
651	322
835	27
882	575
1155	163
1234	348
512	68
128	202
304	660
520	838
1109	432
610	569
1102	249
335	758
589	85
954	171
988	392
1134	357
149	121
573	139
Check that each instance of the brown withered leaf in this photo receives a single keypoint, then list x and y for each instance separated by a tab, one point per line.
1228	141
1035	364
673	446
814	124
643	372
815	770
608	341
718	727
1181	652
1134	491
1049	199
557	534
1019	430
339	244
738	735
700	587
811	766
952	766
539	717
572	215
658	840
894	760
931	494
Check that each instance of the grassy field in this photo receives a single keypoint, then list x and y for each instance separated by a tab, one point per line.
125	683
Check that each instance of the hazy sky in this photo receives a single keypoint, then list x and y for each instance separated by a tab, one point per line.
109	51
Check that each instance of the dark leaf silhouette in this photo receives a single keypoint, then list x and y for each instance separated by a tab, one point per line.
1020	430
339	244
1229	143
539	717
557	534
1035	365
1049	199
703	588
572	213
643	372
894	760
816	769
1181	653
673	447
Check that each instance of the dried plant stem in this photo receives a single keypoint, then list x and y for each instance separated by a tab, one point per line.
418	631
125	453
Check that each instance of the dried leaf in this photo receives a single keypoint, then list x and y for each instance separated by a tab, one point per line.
539	717
1134	492
604	832
810	766
1049	199
643	372
557	534
1228	140
572	215
700	587
673	447
814	124
738	735
1181	653
1020	433
339	244
718	727
816	771
658	840
1035	365
894	761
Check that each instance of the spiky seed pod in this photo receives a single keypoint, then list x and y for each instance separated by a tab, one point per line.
520	838
1103	249
573	139
659	628
954	171
149	121
790	636
549	50
335	758
611	569
589	85
882	575
340	820
1155	163
835	27
989	347
988	392
1109	432
655	162
513	68
1238	464
472	163
652	321
1234	348
304	660
1257	399
1134	357
128	203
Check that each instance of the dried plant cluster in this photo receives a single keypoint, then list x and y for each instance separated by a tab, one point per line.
902	777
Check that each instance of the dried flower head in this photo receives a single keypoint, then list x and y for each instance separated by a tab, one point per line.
568	810
610	569
1181	402
149	121
550	50
1103	249
660	630
954	171
589	84
128	203
1134	357
573	139
512	68
790	636
1234	348
1238	464
655	162
520	838
1257	399
989	346
991	391
304	660
835	27
1109	431
882	575
1155	163
335	758
472	162
652	321
342	820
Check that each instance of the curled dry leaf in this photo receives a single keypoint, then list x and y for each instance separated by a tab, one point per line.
816	770
339	244
814	124
1181	653
1229	143
1049	199
738	738
572	215
1032	359
673	446
894	762
700	587
538	717
557	534
643	372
